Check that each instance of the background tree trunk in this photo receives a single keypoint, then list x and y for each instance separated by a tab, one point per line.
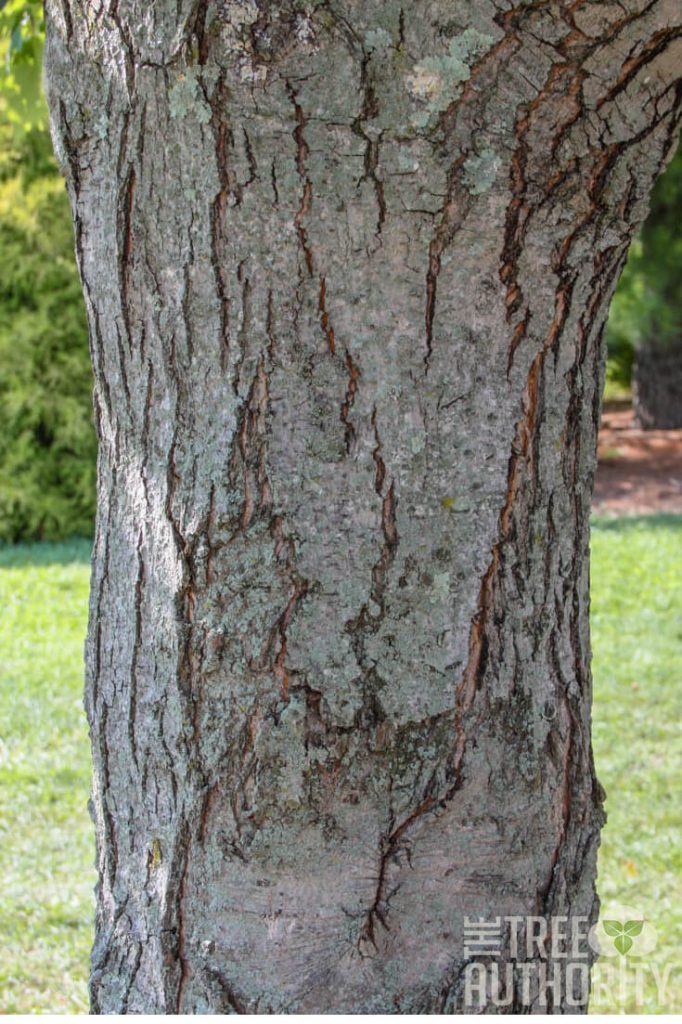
657	386
346	268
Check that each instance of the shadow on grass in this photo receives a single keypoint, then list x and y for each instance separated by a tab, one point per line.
621	524
68	552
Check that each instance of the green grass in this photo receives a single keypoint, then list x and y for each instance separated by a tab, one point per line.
46	854
637	644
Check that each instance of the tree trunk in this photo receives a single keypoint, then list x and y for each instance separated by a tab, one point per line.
346	269
657	386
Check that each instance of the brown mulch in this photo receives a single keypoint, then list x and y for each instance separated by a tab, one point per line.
639	471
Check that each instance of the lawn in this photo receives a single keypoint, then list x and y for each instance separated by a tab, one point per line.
46	856
637	666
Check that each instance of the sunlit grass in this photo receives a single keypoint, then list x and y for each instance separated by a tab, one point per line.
637	643
46	857
46	854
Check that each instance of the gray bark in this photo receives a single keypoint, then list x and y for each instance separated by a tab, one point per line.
346	268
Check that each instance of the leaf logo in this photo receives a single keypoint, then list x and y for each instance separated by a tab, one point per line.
622	933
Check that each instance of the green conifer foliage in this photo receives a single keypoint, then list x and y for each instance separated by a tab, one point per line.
47	438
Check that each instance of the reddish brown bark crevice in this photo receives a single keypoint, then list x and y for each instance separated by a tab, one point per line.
231	1003
658	43
251	449
517	337
522	468
347	404
352	368
325	321
307	193
563	84
285	551
137	641
182	940
370	110
389	850
280	668
229	190
563	87
431	289
126	251
455	209
380	466
390	532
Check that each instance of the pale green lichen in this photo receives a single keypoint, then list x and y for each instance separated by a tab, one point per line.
386	389
441	587
185	97
470	43
406	160
480	171
377	39
436	81
417	443
102	126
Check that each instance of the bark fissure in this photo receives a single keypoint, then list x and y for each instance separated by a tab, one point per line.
228	192
139	595
307	188
369	111
325	322
456	207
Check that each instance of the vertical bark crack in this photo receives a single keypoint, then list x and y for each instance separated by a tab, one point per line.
126	250
228	193
307	193
369	111
325	321
347	404
137	642
457	205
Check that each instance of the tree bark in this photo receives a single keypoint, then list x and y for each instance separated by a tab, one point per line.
346	269
657	385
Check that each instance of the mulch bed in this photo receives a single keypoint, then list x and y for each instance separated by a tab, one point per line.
640	471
